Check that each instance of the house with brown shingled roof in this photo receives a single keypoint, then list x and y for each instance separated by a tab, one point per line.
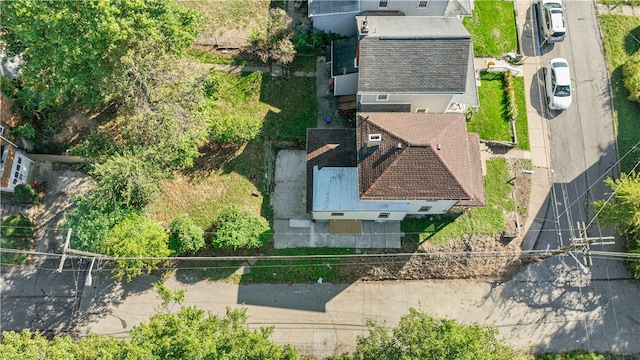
393	165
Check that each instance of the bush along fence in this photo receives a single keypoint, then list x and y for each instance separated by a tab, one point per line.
512	106
511	111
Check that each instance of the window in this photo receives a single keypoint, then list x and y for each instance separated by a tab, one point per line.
423	3
383	97
383	3
425	208
337	214
384	215
1	130
421	110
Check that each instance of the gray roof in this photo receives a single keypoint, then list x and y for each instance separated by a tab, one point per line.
414	27
470	96
344	55
414	66
323	7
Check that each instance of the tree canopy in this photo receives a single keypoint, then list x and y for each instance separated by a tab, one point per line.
623	213
422	336
189	334
72	51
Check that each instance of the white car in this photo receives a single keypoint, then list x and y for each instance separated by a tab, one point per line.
551	19
557	83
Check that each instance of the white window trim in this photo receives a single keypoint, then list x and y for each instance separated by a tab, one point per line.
385	99
1	130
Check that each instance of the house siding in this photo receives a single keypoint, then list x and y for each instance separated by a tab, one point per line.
408	7
435	103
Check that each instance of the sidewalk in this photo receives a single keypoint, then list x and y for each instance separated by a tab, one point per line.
538	129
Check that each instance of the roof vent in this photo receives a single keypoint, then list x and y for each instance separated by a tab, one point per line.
374	140
399	145
438	146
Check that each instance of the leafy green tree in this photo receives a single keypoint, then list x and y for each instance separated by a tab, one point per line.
127	180
623	213
72	50
421	336
192	334
274	45
91	219
185	236
240	229
27	346
631	75
135	236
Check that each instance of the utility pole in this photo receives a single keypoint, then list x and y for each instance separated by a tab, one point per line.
64	250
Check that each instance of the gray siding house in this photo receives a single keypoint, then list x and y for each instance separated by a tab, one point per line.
415	64
337	16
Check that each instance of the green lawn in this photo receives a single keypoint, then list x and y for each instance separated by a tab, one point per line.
619	32
230	17
492	27
230	174
16	234
487	220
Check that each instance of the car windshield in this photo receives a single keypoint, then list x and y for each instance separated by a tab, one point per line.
562	91
553	6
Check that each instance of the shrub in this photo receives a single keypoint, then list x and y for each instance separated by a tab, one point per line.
236	228
25	194
185	236
510	94
631	74
25	131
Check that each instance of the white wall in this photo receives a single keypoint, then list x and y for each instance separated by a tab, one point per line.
436	103
321	215
437	208
408	7
345	84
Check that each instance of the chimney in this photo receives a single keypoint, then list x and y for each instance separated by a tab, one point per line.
374	140
365	26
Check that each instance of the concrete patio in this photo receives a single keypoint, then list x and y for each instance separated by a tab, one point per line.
293	225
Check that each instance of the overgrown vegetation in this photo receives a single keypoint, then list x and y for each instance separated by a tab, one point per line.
16	233
493	28
624	212
240	229
584	355
488	220
619	37
25	194
185	236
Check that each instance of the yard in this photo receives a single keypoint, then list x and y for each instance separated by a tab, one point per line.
491	120
234	174
493	28
488	220
620	36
